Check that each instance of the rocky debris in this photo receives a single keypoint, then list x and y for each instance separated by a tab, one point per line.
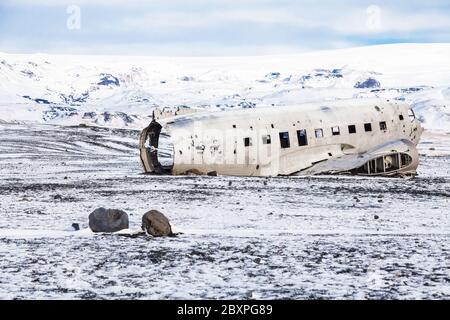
368	83
74	100
57	112
108	220
37	100
246	104
156	224
186	78
193	172
108	79
272	75
28	73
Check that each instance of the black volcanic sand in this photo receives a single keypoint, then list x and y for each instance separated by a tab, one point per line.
290	237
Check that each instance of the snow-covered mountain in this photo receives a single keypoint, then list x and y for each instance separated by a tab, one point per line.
123	91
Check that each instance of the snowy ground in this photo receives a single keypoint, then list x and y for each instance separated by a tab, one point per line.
310	237
296	237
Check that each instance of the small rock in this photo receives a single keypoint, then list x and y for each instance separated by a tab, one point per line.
76	226
156	224
229	183
212	173
375	217
108	220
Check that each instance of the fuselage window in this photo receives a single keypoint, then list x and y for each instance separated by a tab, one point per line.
302	137
284	140
247	142
319	133
383	125
400	117
368	127
266	139
352	128
335	131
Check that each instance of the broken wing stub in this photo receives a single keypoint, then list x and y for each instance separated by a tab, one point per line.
395	158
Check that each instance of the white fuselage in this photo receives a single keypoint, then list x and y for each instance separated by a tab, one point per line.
284	140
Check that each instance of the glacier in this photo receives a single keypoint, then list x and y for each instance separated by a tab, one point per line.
121	91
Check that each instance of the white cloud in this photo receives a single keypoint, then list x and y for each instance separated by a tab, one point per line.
72	2
164	19
158	49
355	22
351	19
203	26
117	3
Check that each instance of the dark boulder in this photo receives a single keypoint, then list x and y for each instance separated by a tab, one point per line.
156	224
108	220
76	226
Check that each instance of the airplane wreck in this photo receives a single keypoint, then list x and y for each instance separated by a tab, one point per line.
368	137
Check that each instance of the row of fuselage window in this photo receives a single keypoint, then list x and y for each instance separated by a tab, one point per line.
302	136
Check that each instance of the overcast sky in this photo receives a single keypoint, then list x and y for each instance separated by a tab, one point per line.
215	27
